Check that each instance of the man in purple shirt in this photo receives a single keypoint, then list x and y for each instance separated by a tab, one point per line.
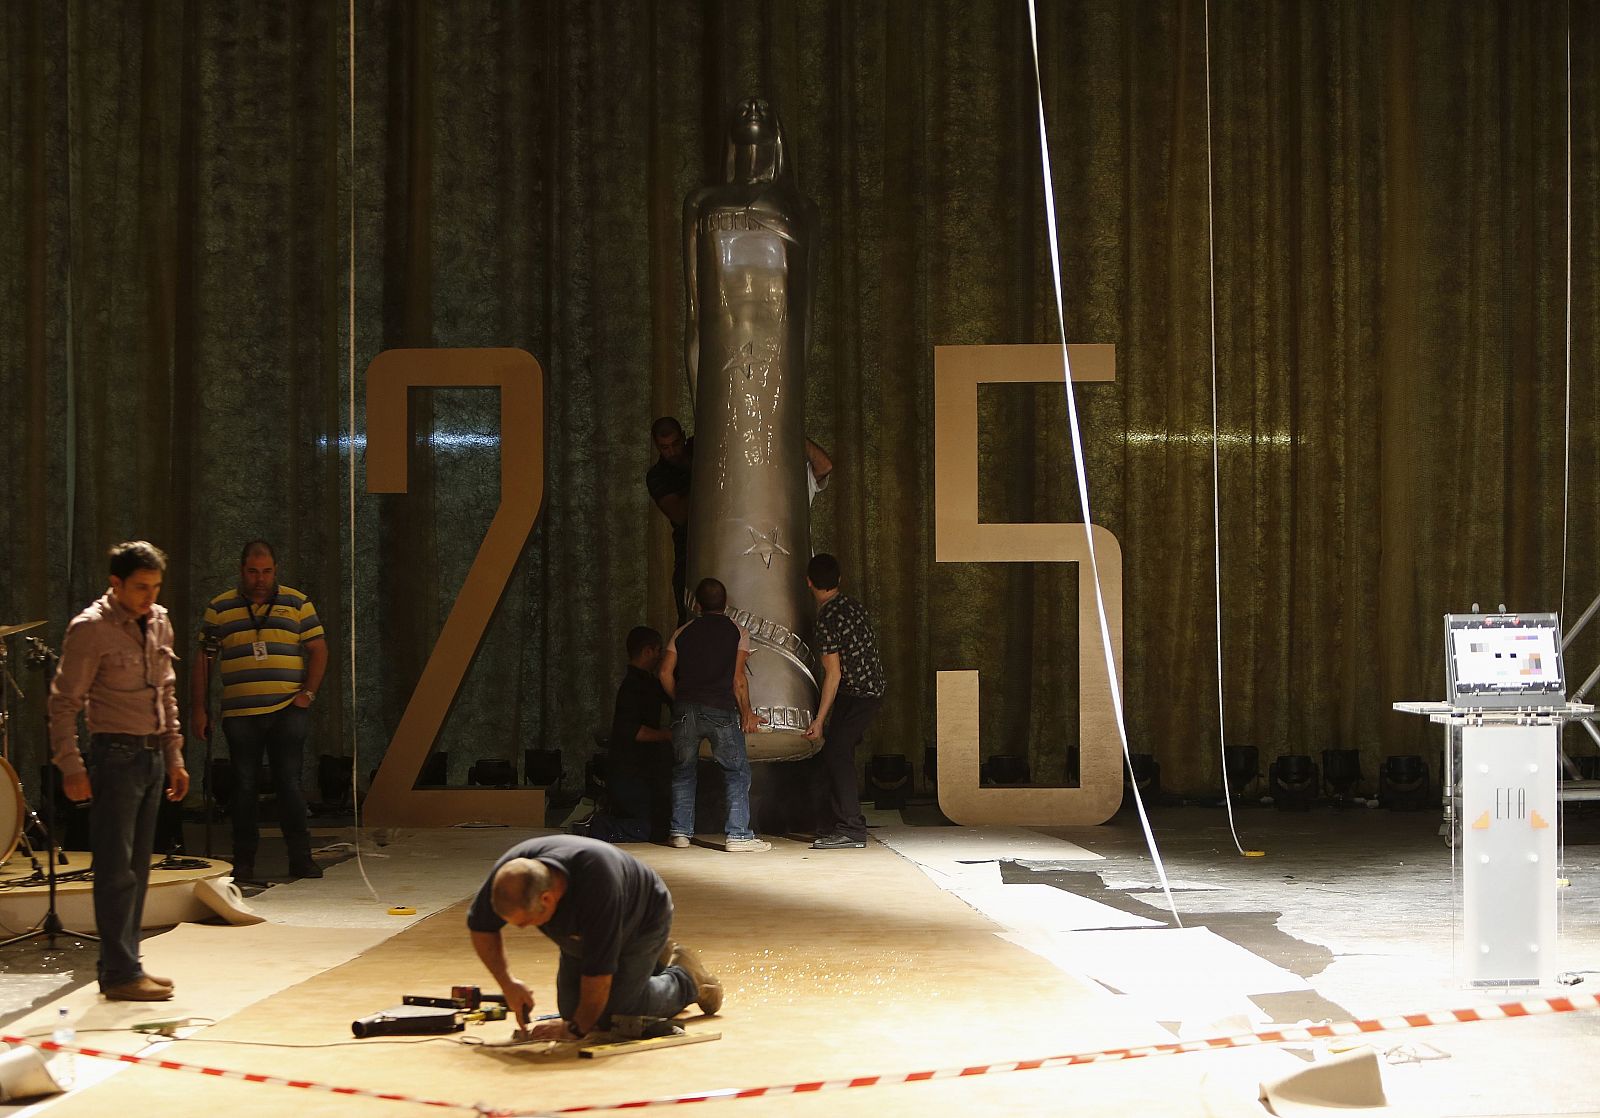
117	668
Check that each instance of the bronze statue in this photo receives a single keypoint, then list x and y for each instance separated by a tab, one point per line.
750	251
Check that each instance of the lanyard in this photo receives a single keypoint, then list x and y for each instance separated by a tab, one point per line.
250	608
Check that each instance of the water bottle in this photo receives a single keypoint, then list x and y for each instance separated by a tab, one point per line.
65	1064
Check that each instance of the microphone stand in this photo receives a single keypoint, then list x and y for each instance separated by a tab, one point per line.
50	927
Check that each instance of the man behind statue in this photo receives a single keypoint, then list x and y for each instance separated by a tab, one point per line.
638	753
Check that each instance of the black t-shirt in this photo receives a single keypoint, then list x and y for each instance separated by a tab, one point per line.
665	478
639	702
610	897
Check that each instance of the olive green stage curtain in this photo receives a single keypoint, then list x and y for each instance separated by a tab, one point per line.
1387	207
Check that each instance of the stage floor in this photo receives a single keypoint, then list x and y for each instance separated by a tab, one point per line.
935	947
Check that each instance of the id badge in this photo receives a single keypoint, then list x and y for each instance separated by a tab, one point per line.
259	649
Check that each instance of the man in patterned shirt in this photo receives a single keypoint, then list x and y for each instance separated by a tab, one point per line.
116	667
852	691
271	655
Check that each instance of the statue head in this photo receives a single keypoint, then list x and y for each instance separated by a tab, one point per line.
755	144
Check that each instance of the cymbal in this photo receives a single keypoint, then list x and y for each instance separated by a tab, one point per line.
12	630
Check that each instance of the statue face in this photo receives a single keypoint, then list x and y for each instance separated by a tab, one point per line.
753	123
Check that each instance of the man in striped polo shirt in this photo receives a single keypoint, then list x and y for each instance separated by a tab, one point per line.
271	655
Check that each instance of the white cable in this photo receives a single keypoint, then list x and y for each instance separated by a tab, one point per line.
1566	445
350	450
1566	468
1216	471
1083	480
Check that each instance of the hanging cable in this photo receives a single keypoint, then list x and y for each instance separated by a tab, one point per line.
1216	470
350	451
1566	443
1566	466
1083	479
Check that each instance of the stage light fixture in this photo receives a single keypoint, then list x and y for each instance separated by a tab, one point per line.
1293	779
435	770
1144	773
1403	782
1241	767
542	767
1006	769
889	780
333	778
492	772
1341	772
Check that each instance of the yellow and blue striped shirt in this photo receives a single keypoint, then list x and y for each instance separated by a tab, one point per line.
284	623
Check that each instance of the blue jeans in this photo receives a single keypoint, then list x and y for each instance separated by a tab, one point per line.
127	781
281	736
690	723
641	987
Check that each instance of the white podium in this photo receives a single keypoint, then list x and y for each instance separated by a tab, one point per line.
1508	822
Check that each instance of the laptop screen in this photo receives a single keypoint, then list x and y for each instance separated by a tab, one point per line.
1505	659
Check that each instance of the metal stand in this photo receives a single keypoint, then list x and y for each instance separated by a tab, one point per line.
51	926
1504	816
1574	788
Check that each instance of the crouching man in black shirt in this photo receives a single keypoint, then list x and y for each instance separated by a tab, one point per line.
609	915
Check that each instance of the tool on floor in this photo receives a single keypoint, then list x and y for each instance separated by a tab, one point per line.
422	1015
641	1034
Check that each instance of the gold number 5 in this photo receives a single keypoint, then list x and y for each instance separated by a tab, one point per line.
959	538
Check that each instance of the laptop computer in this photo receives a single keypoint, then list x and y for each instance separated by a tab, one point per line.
1504	661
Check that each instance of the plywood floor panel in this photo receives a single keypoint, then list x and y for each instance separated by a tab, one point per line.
835	964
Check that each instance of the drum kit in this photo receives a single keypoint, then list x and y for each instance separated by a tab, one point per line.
13	807
17	820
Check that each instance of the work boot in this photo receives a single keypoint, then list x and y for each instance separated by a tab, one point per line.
678	842
304	868
141	989
158	980
709	996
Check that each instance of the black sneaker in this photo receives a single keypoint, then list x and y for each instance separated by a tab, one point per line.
839	842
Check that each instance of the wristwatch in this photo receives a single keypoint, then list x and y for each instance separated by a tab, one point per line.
312	695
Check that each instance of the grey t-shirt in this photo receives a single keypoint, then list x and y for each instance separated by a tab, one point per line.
610	897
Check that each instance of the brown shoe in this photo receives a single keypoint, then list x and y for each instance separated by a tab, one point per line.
141	989
709	990
158	980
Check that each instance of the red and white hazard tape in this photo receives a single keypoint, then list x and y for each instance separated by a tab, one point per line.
225	1073
1501	1012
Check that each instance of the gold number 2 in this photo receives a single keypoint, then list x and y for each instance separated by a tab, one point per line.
394	800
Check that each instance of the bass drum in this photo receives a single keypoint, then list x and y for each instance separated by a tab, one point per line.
13	811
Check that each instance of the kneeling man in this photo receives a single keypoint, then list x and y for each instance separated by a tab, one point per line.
610	916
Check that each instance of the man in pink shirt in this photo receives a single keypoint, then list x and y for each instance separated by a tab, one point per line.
117	668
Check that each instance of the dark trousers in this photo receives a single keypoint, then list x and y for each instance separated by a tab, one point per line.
281	738
127	779
641	986
847	725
